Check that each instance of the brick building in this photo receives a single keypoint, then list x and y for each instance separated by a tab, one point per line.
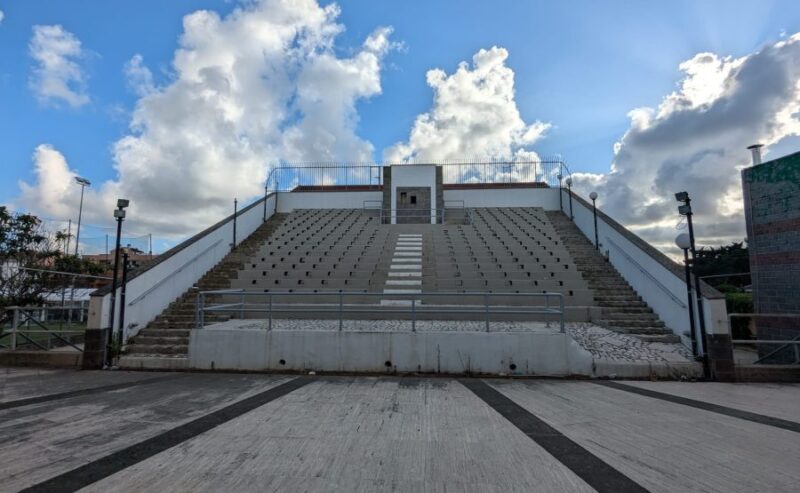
772	210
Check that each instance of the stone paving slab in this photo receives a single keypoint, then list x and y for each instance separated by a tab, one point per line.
402	434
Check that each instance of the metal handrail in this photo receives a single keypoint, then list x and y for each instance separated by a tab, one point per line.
177	271
24	314
485	308
648	274
785	343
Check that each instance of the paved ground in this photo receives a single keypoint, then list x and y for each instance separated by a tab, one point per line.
121	431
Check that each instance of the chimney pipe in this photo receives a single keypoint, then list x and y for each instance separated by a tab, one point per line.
755	150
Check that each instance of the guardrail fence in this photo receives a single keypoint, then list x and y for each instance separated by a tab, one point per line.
44	327
765	338
342	305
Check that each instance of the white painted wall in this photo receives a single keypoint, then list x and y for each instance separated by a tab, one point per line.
552	354
546	198
151	292
289	201
414	176
660	287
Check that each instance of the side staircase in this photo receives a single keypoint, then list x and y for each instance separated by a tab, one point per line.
167	336
622	308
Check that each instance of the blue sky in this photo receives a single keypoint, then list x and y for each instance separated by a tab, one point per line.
581	66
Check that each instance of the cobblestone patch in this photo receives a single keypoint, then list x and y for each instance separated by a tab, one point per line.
609	345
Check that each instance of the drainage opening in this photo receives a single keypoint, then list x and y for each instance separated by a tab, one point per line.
513	366
283	361
388	364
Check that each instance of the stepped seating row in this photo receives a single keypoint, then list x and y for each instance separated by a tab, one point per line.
503	251
507	249
331	249
356	296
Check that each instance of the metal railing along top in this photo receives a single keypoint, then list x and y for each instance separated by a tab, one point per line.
414	308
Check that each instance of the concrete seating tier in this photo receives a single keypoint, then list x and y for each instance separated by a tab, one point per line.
504	250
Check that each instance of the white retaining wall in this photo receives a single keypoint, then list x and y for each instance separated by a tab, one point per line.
148	294
289	201
546	198
660	287
553	354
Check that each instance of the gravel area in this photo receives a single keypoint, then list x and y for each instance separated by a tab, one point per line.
609	345
390	325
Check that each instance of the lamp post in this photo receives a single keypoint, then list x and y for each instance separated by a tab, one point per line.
560	193
569	186
119	215
83	182
593	196
684	243
686	210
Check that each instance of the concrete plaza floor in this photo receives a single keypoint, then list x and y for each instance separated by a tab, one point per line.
127	431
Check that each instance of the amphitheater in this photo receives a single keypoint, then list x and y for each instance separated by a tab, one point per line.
454	269
382	329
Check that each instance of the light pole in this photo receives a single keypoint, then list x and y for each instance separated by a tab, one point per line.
119	215
560	193
684	243
569	186
593	196
83	182
686	210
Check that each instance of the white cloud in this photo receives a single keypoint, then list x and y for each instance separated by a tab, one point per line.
474	115
261	85
140	79
57	76
2	16
695	141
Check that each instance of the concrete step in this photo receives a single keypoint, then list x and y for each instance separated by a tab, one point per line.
623	314
158	349
168	333
632	323
161	341
153	362
636	330
665	338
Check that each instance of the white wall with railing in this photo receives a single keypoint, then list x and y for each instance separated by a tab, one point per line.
546	198
149	293
345	199
662	288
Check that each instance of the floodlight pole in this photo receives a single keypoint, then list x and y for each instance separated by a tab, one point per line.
688	274
83	182
119	215
569	187
687	211
235	213
560	193
593	196
122	298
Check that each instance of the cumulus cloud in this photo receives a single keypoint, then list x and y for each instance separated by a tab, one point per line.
474	115
57	75
140	79
258	86
695	140
2	16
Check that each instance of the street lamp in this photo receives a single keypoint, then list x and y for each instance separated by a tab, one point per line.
83	182
119	215
686	210
593	196
560	193
569	186
684	243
